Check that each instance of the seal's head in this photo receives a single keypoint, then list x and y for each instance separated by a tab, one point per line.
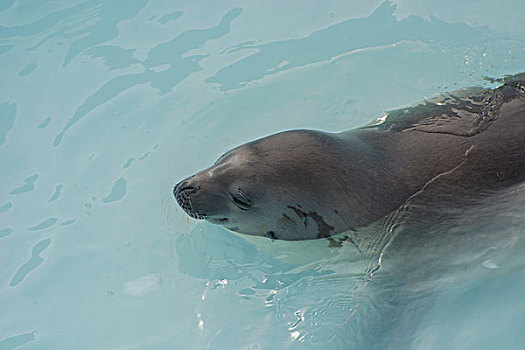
280	187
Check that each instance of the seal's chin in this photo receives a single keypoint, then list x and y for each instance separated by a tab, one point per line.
224	222
218	220
192	213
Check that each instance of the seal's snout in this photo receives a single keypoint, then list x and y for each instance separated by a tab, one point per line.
183	193
184	188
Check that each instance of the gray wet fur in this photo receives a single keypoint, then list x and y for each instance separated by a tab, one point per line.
306	184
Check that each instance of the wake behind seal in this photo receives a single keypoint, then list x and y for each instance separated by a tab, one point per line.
306	184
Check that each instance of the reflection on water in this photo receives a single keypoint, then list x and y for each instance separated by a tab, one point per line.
169	53
379	29
105	105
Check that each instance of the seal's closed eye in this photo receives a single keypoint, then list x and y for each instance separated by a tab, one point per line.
241	200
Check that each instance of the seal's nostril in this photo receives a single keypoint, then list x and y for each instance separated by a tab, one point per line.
184	187
188	189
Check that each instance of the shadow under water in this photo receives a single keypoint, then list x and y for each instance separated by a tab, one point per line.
378	288
436	251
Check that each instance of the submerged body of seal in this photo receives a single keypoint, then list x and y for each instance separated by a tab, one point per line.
306	184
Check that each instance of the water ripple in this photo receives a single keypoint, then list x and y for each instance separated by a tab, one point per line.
68	222
378	29
31	66
114	57
27	187
117	192
5	232
43	225
8	113
108	91
169	53
105	29
312	306
5	48
44	24
5	4
169	17
32	263
101	18
128	163
17	340
56	195
5	207
45	123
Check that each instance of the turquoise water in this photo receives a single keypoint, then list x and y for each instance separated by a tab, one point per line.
105	105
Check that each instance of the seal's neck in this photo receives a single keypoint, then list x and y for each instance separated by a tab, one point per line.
389	167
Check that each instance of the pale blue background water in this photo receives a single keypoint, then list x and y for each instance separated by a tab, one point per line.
106	104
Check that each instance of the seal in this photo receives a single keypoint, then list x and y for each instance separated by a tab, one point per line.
306	184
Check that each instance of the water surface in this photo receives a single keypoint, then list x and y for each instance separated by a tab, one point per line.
105	105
